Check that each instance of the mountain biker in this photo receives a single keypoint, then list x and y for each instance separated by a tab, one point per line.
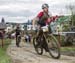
18	32
43	16
42	19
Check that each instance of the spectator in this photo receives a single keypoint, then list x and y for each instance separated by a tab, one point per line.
27	38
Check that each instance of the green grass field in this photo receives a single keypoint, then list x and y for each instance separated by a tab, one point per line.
4	58
71	48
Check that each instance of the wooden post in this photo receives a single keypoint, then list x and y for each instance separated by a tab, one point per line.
2	43
2	39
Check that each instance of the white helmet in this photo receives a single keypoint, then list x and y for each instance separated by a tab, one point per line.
45	6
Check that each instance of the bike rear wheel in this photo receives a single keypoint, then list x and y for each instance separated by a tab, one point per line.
53	47
37	46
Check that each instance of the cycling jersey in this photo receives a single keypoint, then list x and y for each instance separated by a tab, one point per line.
43	17
18	32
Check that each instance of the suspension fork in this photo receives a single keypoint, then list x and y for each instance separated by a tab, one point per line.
45	45
45	41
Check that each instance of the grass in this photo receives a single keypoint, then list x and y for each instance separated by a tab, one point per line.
69	51
4	58
64	47
71	48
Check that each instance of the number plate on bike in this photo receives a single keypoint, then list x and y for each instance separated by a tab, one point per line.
45	28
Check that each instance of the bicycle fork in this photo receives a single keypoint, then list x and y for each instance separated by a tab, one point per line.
45	45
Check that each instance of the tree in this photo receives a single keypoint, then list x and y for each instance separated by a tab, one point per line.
72	10
70	37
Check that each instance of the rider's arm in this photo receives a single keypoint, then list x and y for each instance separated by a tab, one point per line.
34	21
37	18
52	18
48	21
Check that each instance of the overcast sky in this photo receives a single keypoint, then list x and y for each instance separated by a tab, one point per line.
22	10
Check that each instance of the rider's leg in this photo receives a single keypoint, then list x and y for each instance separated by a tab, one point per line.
19	40
45	46
39	34
16	40
17	43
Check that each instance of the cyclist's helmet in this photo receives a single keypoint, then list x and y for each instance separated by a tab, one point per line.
45	6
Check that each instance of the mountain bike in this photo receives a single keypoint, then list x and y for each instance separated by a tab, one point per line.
48	42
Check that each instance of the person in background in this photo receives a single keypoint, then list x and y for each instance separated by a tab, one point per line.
18	32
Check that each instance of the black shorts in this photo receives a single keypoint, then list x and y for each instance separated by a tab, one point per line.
41	23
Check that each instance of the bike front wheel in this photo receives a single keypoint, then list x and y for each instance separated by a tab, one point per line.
37	46
53	46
